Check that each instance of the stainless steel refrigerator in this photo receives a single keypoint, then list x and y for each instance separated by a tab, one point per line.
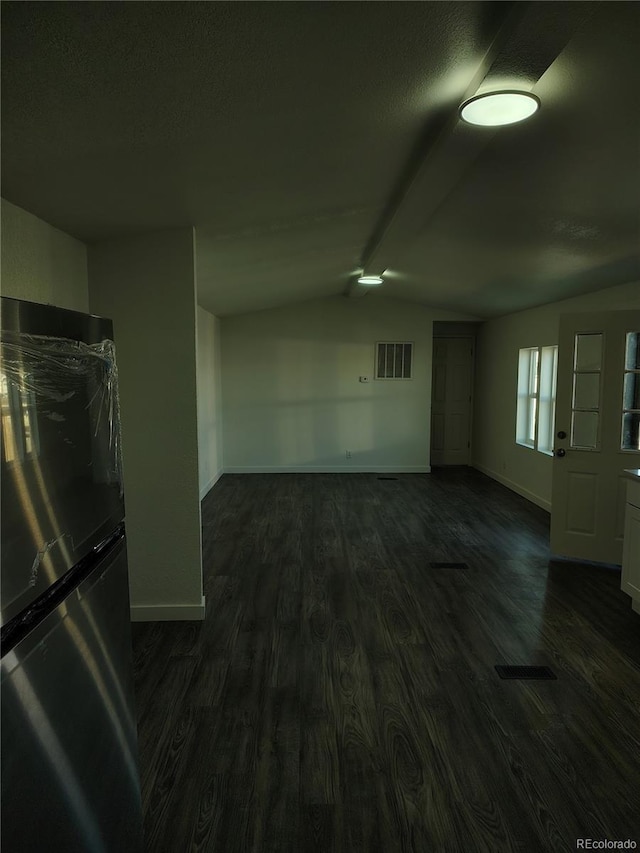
69	747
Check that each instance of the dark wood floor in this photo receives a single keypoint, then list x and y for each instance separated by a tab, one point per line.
341	693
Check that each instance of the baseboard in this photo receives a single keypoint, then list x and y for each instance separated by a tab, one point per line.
168	612
329	469
519	490
205	491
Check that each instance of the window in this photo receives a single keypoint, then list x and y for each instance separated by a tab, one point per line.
536	404
394	360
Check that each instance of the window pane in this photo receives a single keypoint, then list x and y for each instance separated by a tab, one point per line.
632	359
588	352
533	372
545	425
586	391
548	370
631	391
584	430
381	352
531	426
631	431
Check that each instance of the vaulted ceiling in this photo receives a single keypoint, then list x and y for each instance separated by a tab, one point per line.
308	141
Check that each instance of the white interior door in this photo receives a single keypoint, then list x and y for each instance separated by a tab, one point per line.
451	401
597	432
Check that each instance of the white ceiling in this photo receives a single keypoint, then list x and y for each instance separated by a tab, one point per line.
306	141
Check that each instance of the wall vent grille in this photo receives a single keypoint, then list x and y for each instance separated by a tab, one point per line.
394	360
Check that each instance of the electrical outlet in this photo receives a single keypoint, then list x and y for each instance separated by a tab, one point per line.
347	453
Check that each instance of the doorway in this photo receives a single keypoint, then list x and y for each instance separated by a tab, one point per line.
451	399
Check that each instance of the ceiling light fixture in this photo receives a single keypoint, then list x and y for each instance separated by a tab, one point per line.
370	280
495	109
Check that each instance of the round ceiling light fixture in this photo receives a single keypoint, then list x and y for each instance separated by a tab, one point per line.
370	280
495	109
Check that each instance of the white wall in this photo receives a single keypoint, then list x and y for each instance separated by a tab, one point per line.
146	285
291	395
495	452
41	263
209	401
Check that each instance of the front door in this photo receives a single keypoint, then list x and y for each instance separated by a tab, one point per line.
597	432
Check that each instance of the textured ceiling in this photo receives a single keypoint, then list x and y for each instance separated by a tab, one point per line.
305	141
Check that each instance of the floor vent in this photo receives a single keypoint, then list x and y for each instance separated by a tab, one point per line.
537	672
387	478
449	565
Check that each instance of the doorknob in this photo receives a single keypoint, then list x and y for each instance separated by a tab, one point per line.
560	452
562	434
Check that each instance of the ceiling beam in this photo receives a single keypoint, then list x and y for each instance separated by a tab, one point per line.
518	56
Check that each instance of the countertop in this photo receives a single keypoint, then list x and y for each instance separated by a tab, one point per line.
633	473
